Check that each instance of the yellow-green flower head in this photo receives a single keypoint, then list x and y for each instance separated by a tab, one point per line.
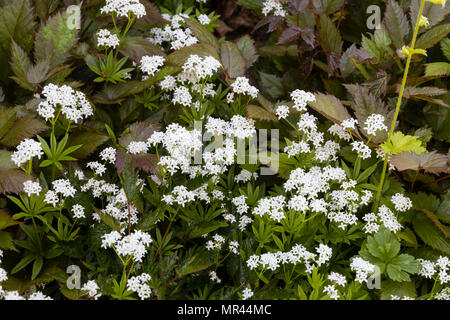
423	22
438	2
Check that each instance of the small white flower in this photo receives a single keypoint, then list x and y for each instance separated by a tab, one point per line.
30	187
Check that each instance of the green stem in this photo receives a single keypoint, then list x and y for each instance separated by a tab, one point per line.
399	102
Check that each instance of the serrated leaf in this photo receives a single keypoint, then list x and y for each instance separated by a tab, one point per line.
20	64
247	47
6	241
400	142
429	234
232	60
400	289
152	16
7	119
137	47
437	69
445	47
16	23
272	84
396	23
432	162
55	39
330	107
259	113
11	178
25	127
202	33
433	36
367	104
90	141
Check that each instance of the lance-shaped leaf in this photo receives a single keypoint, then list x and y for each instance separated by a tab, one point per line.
331	38
273	21
432	162
20	64
437	69
396	24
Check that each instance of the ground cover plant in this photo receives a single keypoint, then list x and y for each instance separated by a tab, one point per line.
249	149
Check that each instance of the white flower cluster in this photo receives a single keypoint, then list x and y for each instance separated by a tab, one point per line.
275	6
339	131
30	187
247	293
139	284
74	105
213	277
331	291
429	269
385	217
197	68
273	207
177	35
137	147
401	202
92	289
374	123
150	65
204	19
122	8
134	244
245	176
301	99
108	155
107	39
26	150
96	167
242	85
362	149
298	254
61	188
282	112
117	204
363	269
78	211
216	243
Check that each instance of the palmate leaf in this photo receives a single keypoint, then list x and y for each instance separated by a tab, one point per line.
432	162
400	142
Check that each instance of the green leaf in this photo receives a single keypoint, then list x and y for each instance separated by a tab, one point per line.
437	69
16	23
11	178
20	64
137	47
433	36
202	33
400	142
6	220
37	267
232	60
247	47
6	241
396	23
23	263
331	38
89	140
445	47
25	127
330	107
383	245
400	289
55	39
259	113
272	84
429	234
